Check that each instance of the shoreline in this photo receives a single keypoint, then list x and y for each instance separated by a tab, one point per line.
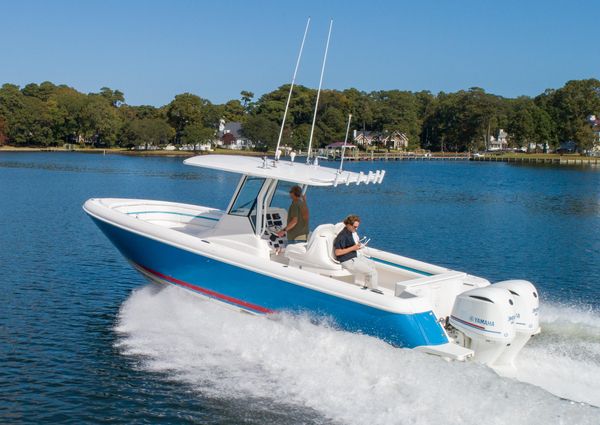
120	151
506	157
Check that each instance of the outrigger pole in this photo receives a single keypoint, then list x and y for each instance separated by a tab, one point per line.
287	104
345	143
312	129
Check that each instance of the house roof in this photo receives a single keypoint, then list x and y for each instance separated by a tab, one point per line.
234	128
399	134
366	133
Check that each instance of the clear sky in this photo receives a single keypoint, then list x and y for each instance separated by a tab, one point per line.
153	50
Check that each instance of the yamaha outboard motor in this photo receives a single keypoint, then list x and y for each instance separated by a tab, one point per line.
527	322
484	319
496	321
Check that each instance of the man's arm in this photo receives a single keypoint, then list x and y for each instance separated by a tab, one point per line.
291	224
343	251
304	209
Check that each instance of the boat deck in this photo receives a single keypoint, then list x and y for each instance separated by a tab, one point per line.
199	221
189	219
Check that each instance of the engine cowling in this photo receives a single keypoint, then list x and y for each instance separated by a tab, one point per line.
485	317
527	304
527	322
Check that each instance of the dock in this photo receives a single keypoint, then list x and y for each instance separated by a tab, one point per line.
400	156
464	156
588	160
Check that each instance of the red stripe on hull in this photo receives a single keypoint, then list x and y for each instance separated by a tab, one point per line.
208	292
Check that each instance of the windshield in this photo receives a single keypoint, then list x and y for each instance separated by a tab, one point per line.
245	202
281	196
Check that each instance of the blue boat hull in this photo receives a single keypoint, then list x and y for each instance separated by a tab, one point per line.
264	294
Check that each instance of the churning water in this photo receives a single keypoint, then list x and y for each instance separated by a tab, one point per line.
355	379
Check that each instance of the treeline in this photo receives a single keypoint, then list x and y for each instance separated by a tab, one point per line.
51	115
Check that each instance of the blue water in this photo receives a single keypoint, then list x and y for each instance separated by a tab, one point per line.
84	338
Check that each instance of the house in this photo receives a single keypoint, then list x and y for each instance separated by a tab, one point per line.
196	147
396	140
230	136
365	138
500	143
595	123
567	147
537	147
393	140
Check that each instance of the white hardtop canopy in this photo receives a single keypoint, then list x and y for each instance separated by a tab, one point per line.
303	174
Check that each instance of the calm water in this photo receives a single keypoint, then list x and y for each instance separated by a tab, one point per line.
84	339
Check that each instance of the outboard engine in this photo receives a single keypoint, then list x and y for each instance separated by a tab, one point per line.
483	320
527	321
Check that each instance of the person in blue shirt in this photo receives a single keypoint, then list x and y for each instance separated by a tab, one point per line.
346	247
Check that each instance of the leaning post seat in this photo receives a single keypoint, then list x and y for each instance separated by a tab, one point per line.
318	253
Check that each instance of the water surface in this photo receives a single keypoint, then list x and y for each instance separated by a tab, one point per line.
84	338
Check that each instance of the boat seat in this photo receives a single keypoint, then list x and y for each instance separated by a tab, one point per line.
318	253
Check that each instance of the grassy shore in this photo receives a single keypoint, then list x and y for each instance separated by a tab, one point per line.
544	156
123	151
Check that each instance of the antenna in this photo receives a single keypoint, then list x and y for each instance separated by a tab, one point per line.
312	128
287	104
345	143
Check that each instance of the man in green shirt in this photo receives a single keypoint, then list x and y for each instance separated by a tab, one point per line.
297	220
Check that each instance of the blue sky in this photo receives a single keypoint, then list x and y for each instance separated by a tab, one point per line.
153	50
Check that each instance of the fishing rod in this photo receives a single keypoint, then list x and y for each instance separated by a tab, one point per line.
312	128
287	104
345	143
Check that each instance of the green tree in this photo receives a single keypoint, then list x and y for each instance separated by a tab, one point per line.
332	126
464	120
147	131
361	107
569	108
100	121
114	97
30	120
396	110
11	100
197	133
32	125
522	128
233	111
70	103
187	109
3	131
299	137
262	131
43	92
247	97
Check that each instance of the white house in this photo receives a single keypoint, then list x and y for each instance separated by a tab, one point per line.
230	136
500	143
196	147
595	123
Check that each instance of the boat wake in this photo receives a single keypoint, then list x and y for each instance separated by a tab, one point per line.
357	379
565	358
